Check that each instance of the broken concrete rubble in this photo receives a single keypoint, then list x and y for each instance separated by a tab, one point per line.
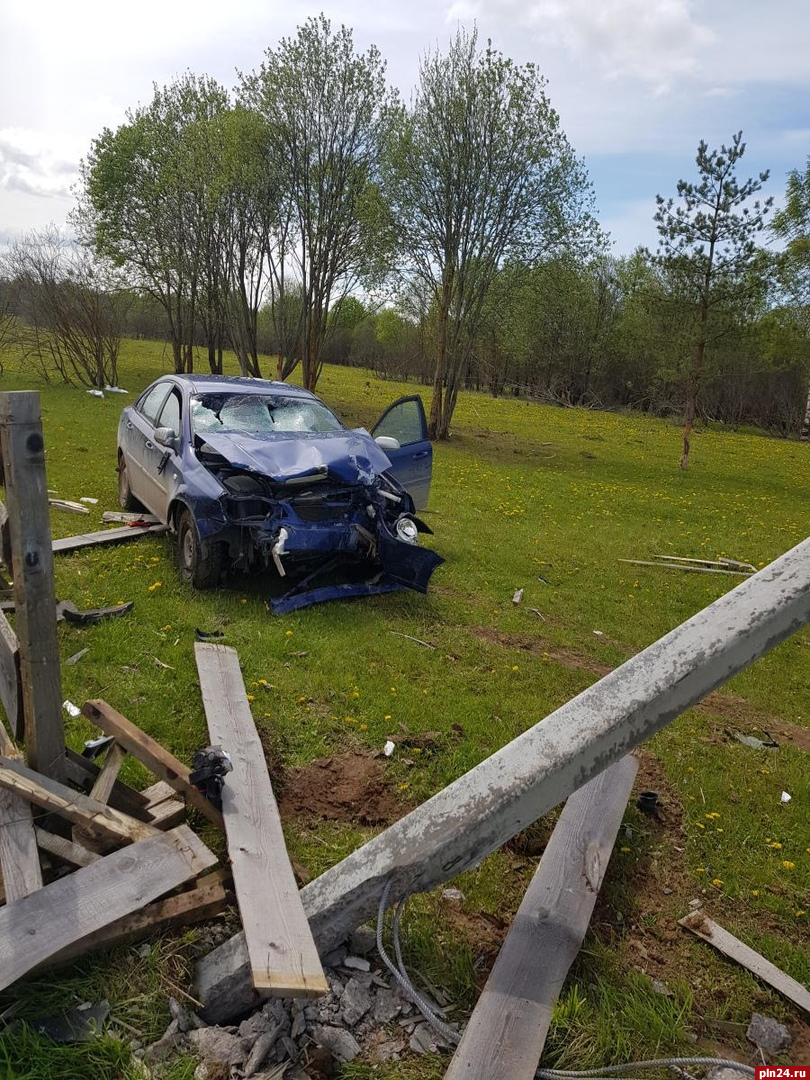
353	1018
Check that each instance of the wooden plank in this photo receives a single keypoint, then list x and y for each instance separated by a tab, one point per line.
507	1030
64	849
151	754
79	905
23	450
105	536
102	789
157	793
167	814
19	859
708	930
10	686
205	900
283	956
90	814
83	773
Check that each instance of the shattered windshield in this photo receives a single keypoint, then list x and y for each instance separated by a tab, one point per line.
257	414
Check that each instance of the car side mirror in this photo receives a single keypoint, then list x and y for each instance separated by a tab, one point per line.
387	442
166	437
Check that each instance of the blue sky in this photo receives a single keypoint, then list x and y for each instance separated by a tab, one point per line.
637	83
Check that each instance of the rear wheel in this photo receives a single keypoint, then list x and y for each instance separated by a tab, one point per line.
126	499
199	561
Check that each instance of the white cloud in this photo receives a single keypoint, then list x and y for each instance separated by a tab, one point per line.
651	40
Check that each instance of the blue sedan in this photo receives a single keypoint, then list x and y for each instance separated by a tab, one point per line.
255	475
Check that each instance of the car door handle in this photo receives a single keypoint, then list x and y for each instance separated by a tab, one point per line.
423	453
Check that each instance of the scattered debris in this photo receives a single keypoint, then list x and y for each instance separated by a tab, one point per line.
768	1034
754	743
130	519
703	927
599	633
160	664
67	506
647	802
518	596
115	390
71	709
389	748
80	1024
785	797
700	566
96	393
88	499
539	614
94	615
106	536
71	660
408	637
453	896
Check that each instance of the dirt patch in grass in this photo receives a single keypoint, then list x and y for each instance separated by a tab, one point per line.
349	787
649	886
742	715
558	654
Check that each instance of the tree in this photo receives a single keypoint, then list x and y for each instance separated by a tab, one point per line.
144	204
477	172
792	224
325	107
71	309
707	245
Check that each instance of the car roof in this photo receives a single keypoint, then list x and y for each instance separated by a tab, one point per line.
212	384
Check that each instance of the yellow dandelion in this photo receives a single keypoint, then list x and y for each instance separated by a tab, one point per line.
624	850
515	667
362	727
799	913
155	585
755	892
788	865
250	697
288	633
718	883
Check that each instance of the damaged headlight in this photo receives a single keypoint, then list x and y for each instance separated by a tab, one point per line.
406	530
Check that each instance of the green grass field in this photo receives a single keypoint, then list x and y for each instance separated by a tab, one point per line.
524	497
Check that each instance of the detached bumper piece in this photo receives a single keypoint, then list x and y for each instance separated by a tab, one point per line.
398	565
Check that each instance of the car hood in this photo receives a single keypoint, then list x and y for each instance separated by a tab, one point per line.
351	456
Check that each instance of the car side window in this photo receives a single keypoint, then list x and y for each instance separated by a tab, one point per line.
404	422
150	404
170	413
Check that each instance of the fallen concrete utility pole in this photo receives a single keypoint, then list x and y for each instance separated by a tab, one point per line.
506	1033
473	816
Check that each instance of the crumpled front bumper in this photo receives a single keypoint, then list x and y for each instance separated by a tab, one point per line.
398	565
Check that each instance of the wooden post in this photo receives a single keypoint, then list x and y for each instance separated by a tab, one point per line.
506	1033
23	451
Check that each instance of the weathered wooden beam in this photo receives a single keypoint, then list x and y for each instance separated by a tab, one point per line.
10	684
77	906
283	958
206	899
708	930
105	536
114	759
90	814
454	830
148	751
23	450
83	773
65	849
506	1033
19	859
5	538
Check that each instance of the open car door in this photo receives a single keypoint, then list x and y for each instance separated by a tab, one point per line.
404	423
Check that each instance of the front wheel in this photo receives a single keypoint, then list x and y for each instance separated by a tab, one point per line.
199	562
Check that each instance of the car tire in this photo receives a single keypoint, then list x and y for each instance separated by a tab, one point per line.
126	500
199	562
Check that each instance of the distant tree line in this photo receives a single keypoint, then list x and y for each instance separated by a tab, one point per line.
311	216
